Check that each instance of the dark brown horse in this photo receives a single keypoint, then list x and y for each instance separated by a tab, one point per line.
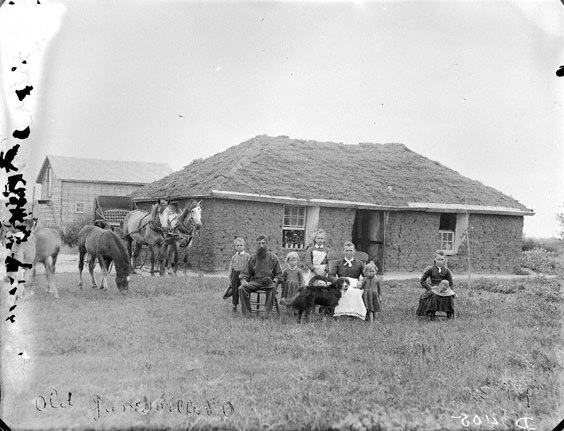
147	229
107	247
183	228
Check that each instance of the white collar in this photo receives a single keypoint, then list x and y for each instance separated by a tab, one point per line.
318	246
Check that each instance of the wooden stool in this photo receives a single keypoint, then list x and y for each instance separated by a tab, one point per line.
258	305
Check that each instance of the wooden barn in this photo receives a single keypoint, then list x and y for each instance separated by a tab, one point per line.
70	185
393	203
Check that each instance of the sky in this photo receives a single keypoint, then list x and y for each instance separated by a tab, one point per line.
470	84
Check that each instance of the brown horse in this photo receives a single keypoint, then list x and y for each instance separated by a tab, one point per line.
107	247
42	246
147	229
183	228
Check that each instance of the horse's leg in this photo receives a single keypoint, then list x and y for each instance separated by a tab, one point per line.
158	259
102	262
173	257
162	259
54	260
91	266
128	241
49	273
23	275
128	245
153	257
185	260
81	256
136	254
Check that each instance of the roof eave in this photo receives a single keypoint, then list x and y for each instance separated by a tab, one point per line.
42	170
170	197
411	206
474	209
129	183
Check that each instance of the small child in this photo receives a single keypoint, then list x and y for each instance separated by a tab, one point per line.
292	277
372	292
238	263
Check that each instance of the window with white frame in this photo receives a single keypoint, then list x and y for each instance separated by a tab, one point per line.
293	227
447	228
79	207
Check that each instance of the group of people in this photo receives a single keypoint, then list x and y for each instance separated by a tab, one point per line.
363	299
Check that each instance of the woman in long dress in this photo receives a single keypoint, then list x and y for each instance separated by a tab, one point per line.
434	300
351	302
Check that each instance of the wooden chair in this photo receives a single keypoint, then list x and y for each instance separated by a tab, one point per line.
440	315
258	302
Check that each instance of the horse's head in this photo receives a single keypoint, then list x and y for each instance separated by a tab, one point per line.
162	212
191	217
122	282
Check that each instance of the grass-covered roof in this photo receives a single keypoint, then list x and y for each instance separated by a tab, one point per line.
383	174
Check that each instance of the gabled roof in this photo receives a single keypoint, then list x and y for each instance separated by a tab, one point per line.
107	171
386	175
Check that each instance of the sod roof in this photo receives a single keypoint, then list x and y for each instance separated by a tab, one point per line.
382	174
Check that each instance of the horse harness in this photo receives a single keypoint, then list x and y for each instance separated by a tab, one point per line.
154	224
182	232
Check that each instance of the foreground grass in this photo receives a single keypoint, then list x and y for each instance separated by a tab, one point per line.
171	354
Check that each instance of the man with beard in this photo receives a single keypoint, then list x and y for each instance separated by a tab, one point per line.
262	272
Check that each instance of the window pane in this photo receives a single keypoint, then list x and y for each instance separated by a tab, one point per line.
446	240
294	217
293	239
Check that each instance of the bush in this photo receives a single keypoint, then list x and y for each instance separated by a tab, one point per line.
538	259
70	232
549	244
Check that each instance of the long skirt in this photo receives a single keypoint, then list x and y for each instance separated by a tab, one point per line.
290	289
371	300
429	303
351	303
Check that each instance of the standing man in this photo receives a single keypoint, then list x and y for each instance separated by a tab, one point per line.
262	272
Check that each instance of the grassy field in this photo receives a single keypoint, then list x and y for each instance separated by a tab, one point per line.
172	355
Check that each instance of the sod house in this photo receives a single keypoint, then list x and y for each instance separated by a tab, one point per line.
394	204
69	186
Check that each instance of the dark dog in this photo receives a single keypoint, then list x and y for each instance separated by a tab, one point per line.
319	291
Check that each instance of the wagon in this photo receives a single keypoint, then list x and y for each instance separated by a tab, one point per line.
111	210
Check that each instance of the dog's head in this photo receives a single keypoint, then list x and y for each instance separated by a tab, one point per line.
342	284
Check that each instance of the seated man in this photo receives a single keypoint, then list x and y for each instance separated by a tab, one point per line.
261	272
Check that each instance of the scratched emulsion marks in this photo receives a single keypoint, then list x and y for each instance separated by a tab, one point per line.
27	27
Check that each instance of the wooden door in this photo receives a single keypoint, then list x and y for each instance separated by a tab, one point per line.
368	235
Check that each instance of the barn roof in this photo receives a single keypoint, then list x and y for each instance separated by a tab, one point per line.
370	175
106	171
